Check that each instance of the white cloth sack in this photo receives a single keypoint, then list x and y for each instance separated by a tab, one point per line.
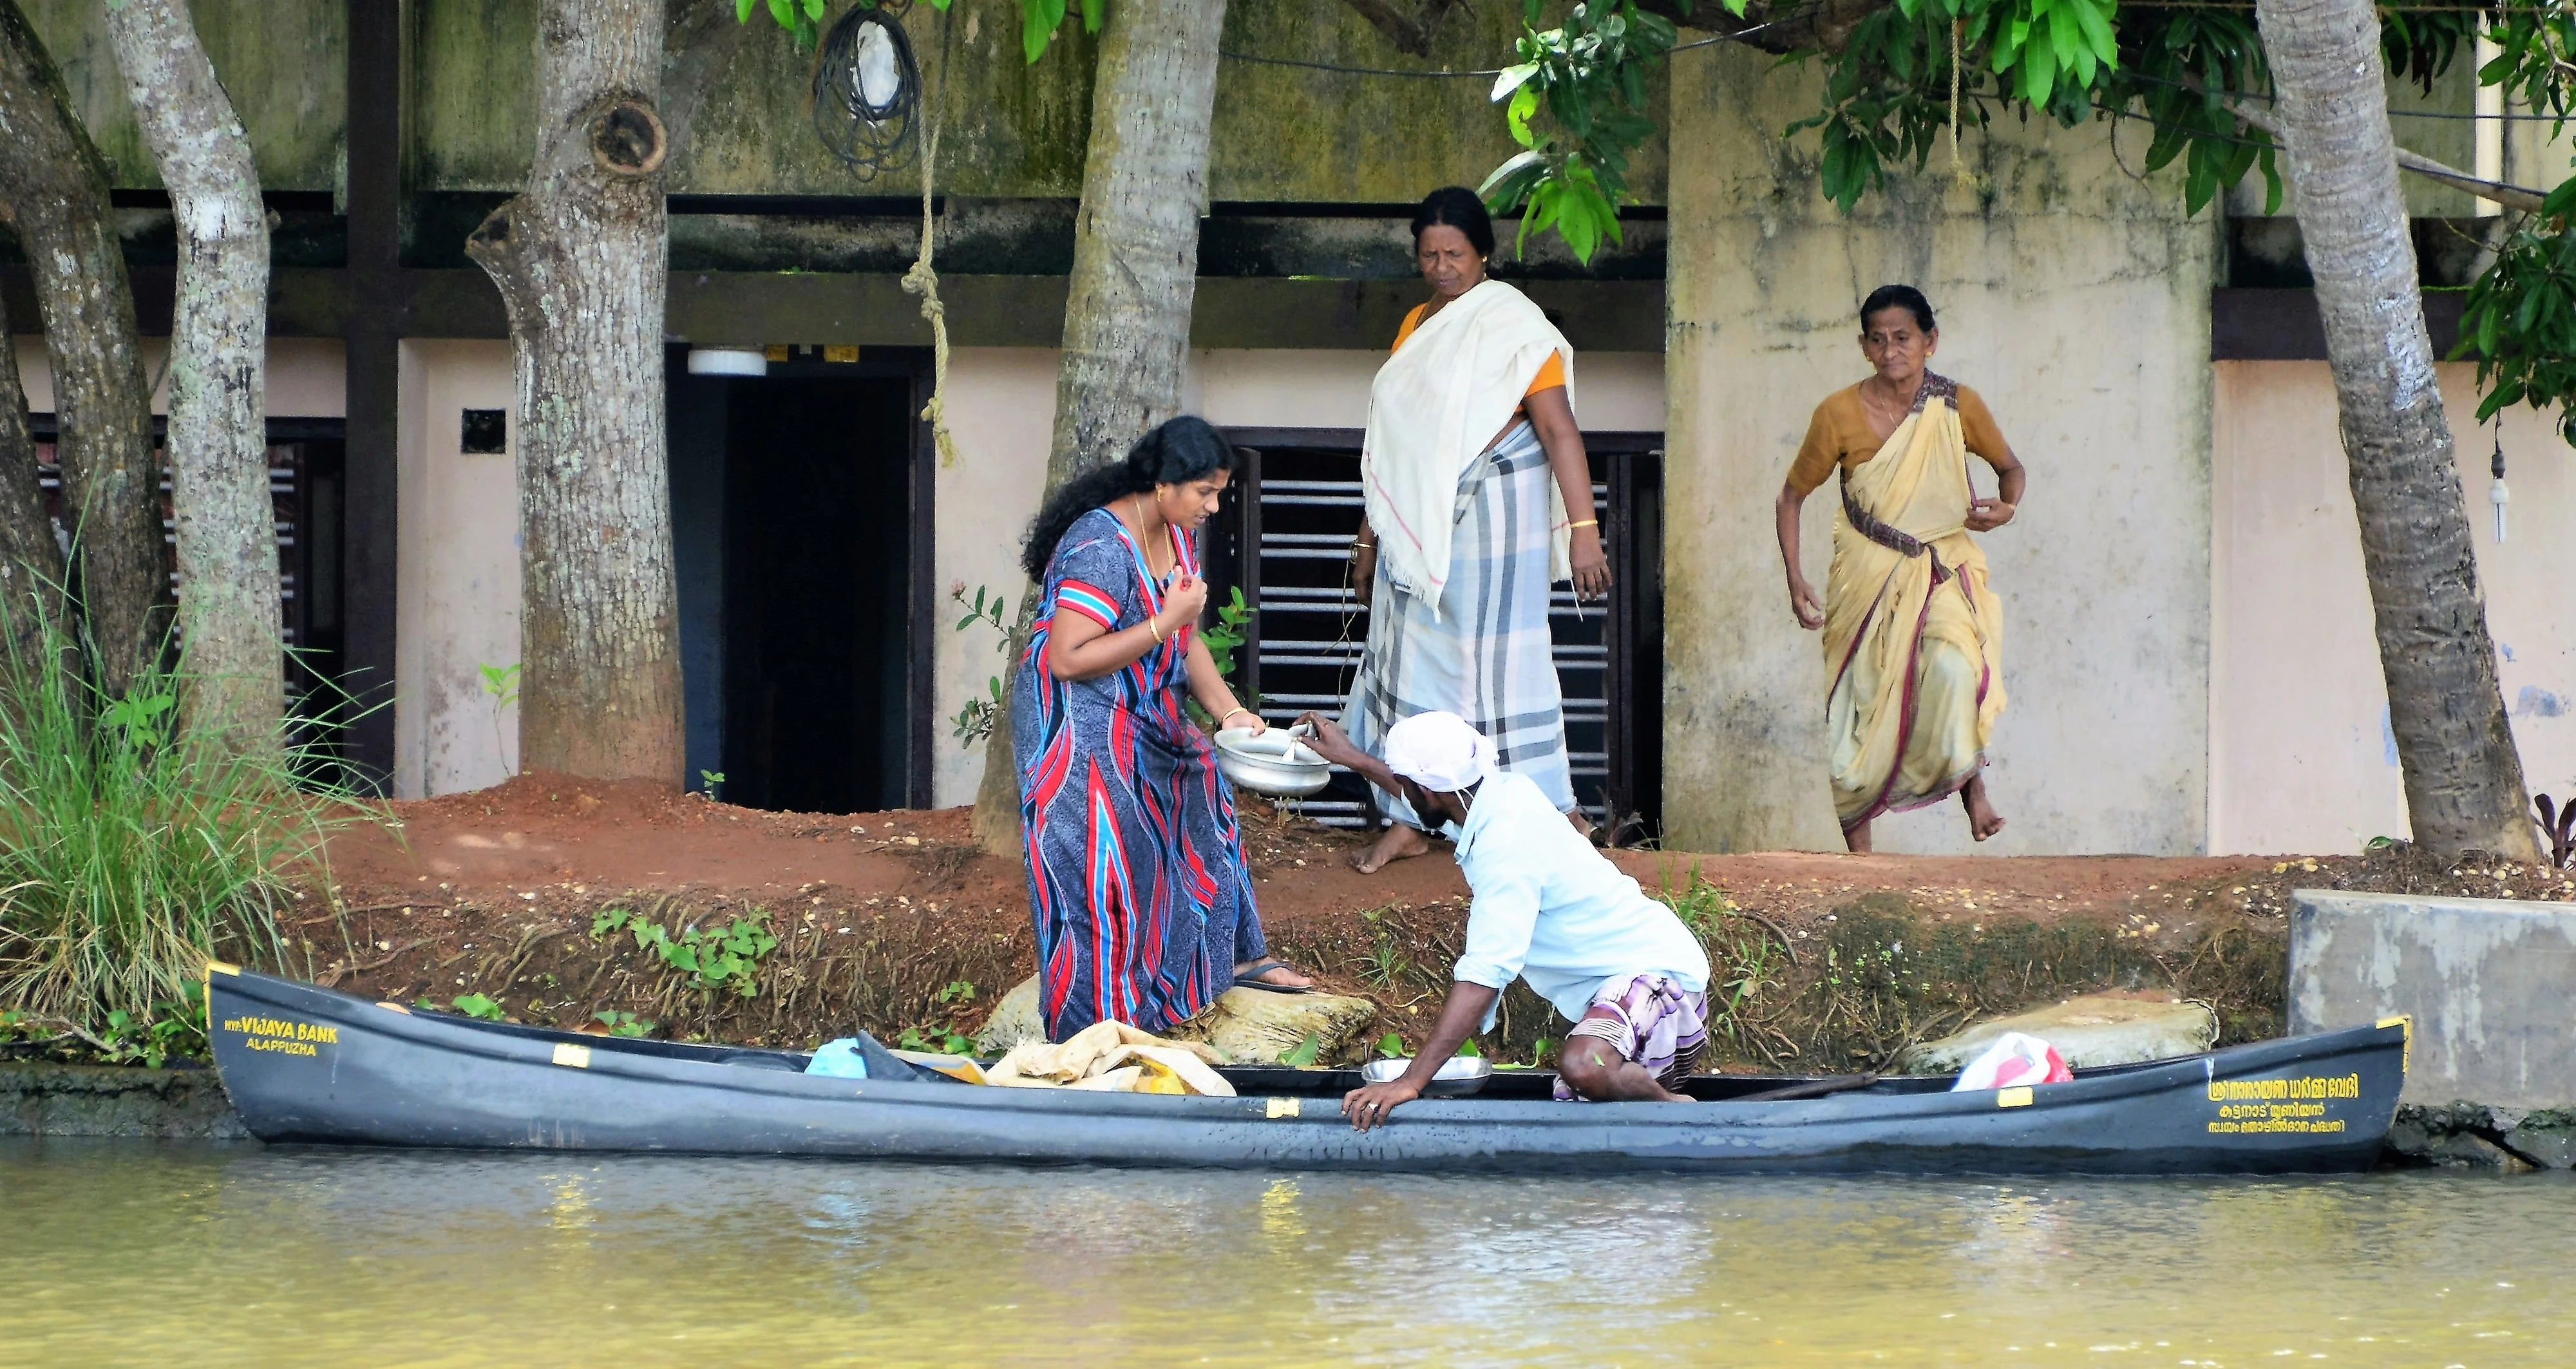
2015	1058
1433	408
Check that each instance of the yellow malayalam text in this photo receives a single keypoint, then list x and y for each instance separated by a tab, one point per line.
2274	1107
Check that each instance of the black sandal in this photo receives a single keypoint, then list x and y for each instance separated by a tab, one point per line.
1249	977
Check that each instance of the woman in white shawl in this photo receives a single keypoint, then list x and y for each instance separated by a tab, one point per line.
1479	498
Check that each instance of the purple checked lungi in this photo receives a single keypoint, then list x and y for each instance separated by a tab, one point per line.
1649	1019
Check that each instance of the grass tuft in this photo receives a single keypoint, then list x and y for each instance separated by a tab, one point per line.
135	845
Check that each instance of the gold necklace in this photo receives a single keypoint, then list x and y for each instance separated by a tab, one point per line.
1138	501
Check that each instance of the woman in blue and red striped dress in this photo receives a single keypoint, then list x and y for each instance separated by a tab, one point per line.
1137	885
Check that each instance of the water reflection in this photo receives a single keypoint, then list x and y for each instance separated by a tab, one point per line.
134	1252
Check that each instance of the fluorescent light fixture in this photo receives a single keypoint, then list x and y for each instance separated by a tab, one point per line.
727	361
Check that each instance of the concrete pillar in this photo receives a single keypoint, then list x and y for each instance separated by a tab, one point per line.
2075	298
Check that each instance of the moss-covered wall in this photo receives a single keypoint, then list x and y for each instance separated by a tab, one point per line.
1293	133
1011	129
284	62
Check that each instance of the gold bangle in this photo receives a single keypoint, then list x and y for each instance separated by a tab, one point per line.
1238	708
1155	626
1584	523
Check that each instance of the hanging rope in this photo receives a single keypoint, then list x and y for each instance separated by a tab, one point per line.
923	281
1958	168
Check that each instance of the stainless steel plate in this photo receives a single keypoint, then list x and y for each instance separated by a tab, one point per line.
1271	762
1460	1076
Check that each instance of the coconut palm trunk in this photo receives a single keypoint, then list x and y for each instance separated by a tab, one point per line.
218	441
2464	785
580	259
1135	272
53	191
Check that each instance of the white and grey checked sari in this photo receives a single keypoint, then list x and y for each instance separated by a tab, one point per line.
1487	656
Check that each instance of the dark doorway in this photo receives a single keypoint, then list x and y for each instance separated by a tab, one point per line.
796	512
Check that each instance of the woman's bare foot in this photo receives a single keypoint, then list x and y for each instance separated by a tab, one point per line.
1983	820
1398	842
1856	839
1279	974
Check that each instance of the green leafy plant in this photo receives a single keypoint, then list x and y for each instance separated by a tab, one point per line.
138	842
624	1023
712	959
1303	1054
1390	1046
479	1007
936	1041
975	721
501	685
1228	636
150	1039
2519	319
713	783
944	1037
1588	75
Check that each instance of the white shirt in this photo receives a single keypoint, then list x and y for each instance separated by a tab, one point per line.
1551	909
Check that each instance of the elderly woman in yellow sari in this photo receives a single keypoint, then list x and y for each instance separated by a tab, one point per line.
1913	633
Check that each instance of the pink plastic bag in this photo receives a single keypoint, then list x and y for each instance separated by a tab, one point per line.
2015	1058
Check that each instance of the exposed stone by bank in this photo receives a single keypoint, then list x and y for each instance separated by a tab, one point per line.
98	1100
2477	1136
2087	1030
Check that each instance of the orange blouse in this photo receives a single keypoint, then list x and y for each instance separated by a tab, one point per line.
1839	437
1551	374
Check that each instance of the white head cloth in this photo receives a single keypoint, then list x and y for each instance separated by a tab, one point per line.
1439	751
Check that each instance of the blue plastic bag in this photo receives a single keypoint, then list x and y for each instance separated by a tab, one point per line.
839	1059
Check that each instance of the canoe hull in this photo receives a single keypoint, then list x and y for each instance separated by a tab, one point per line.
305	1064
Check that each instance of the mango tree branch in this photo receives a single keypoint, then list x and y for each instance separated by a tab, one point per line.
2513	197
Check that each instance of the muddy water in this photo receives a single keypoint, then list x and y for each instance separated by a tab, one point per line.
136	1253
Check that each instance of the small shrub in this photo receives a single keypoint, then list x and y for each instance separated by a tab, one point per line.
712	959
624	1023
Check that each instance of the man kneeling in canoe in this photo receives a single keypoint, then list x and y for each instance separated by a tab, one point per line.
1549	909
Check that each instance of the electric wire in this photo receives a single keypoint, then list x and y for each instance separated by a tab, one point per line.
867	90
1487	73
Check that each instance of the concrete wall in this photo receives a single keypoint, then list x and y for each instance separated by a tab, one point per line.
2076	300
1002	412
456	597
307	377
2486	981
2301	756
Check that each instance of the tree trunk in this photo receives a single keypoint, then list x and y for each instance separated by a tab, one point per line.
53	187
2464	786
580	259
31	561
1135	271
218	438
